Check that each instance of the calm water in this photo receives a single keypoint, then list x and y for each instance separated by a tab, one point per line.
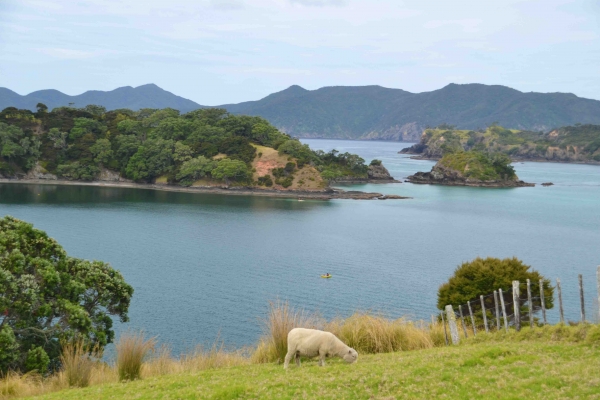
205	266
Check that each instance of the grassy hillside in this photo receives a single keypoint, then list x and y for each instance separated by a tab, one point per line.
579	143
505	369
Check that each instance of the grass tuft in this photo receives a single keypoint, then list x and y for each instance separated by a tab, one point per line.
77	363
132	350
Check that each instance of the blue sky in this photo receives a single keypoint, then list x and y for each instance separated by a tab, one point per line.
226	51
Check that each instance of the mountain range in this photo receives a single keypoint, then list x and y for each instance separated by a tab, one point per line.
358	112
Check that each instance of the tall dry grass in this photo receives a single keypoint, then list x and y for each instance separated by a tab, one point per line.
132	350
280	320
77	363
372	333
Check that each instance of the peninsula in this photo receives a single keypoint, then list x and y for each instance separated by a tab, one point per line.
206	150
573	144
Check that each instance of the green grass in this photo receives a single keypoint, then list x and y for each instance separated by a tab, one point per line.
514	367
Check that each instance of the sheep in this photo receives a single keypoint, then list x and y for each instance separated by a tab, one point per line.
312	342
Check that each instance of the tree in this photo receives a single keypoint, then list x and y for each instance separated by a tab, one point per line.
483	276
152	159
228	169
102	151
194	169
58	138
41	108
47	297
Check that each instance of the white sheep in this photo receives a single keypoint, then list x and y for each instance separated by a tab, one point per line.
312	343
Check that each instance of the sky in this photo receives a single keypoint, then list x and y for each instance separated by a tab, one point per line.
227	51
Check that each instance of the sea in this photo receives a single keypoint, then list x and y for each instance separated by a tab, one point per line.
205	267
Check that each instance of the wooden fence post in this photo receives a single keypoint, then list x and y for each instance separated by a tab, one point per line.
462	321
497	309
542	301
445	331
581	298
487	330
529	303
598	288
503	309
560	305
452	324
472	319
516	305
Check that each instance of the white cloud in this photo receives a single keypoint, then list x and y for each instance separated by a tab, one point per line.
320	3
70	54
227	4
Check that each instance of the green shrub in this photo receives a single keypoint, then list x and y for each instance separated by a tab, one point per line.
37	360
375	162
483	276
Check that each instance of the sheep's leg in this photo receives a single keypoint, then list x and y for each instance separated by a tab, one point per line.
297	359
288	357
322	359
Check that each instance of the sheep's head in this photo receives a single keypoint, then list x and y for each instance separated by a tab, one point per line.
351	356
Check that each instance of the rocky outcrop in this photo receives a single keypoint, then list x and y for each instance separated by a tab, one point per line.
107	175
39	172
379	173
441	175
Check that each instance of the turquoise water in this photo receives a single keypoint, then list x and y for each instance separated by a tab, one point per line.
205	266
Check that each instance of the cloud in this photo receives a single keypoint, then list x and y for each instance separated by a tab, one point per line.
69	54
227	5
320	3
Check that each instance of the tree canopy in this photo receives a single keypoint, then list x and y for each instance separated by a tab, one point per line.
47	297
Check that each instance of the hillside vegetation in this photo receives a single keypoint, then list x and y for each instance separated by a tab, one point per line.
580	143
207	147
556	363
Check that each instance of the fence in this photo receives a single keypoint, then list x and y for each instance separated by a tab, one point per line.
508	308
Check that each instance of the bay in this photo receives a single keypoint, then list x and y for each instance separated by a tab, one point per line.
205	266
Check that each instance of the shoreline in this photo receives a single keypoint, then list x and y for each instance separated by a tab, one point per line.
514	160
329	194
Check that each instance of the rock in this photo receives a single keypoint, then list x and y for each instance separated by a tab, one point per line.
39	172
547	184
107	175
379	172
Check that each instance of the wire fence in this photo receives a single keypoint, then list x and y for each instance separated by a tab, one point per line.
524	303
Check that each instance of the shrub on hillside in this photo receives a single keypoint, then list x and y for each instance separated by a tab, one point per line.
483	276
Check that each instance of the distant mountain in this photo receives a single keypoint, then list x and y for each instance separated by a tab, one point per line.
375	112
145	96
358	112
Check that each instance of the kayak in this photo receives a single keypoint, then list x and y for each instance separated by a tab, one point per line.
325	276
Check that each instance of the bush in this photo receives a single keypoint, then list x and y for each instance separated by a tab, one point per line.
290	167
483	276
265	181
37	360
376	162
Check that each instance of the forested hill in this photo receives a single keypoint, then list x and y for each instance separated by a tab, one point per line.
375	112
206	147
145	96
358	112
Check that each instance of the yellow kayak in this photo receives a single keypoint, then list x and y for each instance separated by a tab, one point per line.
326	276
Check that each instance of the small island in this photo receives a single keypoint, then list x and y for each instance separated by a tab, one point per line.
471	168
